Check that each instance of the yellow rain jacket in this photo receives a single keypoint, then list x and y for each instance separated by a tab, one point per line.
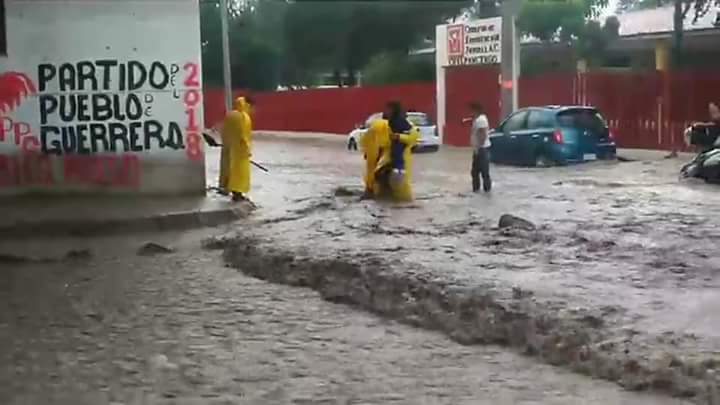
224	161
237	134
369	144
403	191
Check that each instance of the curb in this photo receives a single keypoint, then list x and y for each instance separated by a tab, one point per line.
163	222
479	315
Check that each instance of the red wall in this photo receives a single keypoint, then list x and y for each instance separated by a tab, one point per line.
324	110
645	110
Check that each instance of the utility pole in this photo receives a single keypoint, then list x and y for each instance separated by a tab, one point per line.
227	75
510	56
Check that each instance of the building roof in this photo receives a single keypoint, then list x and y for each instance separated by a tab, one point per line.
660	20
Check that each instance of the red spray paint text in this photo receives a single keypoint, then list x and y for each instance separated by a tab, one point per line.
35	169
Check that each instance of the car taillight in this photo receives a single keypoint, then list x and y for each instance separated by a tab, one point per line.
558	137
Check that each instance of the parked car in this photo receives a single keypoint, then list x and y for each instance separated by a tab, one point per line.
429	139
544	136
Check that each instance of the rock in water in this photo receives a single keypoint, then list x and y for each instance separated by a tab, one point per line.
151	249
511	221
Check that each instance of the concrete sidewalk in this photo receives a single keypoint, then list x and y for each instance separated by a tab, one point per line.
48	216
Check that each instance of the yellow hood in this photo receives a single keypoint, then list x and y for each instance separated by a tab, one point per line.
241	105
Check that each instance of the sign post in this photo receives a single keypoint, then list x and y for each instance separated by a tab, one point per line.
227	75
510	62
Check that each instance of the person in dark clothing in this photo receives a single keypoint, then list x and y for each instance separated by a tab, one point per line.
398	124
480	142
397	119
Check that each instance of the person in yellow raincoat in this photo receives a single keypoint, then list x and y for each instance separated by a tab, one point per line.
237	140
382	183
368	143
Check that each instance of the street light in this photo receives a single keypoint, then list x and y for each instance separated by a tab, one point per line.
510	61
227	75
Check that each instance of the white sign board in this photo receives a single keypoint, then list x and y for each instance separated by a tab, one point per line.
474	42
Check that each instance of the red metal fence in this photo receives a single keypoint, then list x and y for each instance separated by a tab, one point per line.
324	110
645	110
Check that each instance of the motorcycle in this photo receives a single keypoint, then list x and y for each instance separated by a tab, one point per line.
706	165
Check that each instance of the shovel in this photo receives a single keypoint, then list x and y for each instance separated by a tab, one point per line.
215	144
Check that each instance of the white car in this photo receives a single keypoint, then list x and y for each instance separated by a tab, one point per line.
429	138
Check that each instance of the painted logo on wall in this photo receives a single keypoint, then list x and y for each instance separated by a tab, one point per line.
15	87
456	40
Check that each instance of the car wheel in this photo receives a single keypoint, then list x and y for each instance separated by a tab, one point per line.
352	145
542	161
433	148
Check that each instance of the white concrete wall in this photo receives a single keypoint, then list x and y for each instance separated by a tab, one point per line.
71	120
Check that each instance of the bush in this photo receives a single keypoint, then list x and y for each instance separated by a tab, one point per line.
393	68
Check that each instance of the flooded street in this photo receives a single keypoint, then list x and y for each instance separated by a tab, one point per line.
622	243
617	282
182	328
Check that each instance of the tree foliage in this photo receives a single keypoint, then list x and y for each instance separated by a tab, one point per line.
394	68
564	20
342	37
291	42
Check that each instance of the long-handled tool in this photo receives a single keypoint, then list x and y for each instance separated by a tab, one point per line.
215	144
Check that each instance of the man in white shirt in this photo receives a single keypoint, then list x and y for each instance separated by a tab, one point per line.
480	142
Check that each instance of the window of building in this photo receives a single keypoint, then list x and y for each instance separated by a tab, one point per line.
3	27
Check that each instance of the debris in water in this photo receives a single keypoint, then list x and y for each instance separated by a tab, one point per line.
346	192
511	221
80	254
217	242
151	249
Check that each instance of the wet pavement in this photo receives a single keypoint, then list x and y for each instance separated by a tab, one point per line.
624	242
110	326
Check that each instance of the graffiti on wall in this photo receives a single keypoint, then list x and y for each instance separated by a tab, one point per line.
96	121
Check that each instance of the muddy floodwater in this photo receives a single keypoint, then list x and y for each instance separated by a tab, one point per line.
623	244
179	327
321	298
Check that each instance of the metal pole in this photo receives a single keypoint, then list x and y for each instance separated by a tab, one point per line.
510	62
227	75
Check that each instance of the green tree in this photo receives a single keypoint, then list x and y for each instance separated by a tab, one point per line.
342	37
551	20
594	38
394	68
255	47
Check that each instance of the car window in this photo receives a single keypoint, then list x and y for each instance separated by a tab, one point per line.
540	119
372	118
419	120
516	122
586	119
